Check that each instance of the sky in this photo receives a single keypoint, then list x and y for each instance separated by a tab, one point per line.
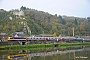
77	8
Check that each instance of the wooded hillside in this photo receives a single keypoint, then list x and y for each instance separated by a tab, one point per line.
41	22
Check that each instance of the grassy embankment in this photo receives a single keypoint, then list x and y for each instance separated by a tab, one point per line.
42	46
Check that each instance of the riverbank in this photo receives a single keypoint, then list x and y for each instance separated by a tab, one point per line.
42	46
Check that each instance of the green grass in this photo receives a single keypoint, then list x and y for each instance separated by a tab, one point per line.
41	46
28	46
66	45
75	44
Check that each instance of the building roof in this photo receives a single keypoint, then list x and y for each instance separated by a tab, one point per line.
3	34
18	33
46	35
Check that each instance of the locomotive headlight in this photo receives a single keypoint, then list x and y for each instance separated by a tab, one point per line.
9	38
24	36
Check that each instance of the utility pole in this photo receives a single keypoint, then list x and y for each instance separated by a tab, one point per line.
73	31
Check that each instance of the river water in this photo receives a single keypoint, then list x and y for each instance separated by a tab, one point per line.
71	53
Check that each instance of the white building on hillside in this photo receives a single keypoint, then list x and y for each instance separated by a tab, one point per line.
20	13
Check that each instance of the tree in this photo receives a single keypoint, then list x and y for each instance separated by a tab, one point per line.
56	15
23	8
60	17
75	21
62	21
88	19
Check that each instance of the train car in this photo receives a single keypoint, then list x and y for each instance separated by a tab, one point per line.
16	38
67	38
43	38
35	38
79	39
54	38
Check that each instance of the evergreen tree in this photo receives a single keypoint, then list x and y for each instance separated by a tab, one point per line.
63	22
60	17
23	8
88	19
75	21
